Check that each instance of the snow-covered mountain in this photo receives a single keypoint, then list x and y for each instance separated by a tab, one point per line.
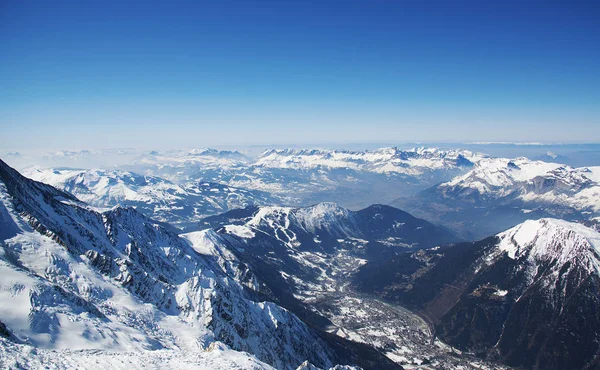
306	256
116	281
323	224
529	296
303	253
180	205
499	193
417	161
529	181
352	178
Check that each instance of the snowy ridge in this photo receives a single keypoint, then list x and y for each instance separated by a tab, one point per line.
529	295
216	356
493	173
532	182
117	281
331	217
552	239
499	193
107	188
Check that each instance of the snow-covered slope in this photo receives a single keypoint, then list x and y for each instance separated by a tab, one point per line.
308	249
531	294
533	182
320	225
497	176
180	205
552	239
73	278
216	356
499	192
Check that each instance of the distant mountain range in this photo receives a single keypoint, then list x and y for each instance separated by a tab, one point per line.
180	205
499	193
352	178
169	181
472	194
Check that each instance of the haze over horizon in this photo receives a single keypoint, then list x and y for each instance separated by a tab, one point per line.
209	74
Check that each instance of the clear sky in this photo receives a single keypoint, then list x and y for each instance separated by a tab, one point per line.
77	74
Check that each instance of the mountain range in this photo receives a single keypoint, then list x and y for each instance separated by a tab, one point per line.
179	205
350	178
499	193
173	265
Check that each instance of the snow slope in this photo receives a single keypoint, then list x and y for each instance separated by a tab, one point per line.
216	356
533	182
78	279
552	239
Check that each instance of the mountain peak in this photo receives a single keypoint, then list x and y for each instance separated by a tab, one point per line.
551	239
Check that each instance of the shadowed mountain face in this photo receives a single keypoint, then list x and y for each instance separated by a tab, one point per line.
306	257
330	222
298	252
298	249
529	296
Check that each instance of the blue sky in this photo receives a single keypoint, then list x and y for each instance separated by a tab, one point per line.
209	73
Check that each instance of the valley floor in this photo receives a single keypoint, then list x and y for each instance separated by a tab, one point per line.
400	334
